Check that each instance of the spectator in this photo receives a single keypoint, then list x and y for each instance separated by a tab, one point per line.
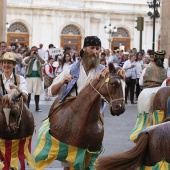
138	63
47	53
10	80
130	69
34	65
41	51
103	61
66	60
75	56
48	76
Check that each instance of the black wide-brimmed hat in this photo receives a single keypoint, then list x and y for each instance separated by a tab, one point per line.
92	41
159	54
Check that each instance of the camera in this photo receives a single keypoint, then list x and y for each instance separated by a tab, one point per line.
35	52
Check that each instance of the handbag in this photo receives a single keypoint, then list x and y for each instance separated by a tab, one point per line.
128	80
48	80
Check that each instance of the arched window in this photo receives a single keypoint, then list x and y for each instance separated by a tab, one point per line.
121	32
17	27
70	30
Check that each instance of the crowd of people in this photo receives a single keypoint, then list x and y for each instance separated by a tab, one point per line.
33	70
36	65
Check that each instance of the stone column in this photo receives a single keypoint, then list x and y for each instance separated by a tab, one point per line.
3	6
165	26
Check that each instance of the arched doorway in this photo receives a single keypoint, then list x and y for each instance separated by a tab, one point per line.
120	38
70	37
17	34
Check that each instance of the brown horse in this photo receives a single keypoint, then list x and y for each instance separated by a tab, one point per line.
157	111
16	129
78	122
152	144
152	147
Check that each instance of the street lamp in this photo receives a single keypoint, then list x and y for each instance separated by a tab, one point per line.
110	30
7	25
153	4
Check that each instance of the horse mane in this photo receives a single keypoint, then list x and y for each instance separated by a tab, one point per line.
7	99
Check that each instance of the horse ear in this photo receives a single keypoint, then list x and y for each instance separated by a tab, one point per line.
15	97
111	68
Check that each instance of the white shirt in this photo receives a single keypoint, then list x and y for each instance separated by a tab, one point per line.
47	54
130	72
41	53
47	70
109	59
22	86
138	67
81	82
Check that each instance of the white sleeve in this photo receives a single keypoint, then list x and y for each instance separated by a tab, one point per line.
59	78
141	77
23	61
46	56
23	85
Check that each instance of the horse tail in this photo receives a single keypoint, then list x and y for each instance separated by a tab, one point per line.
130	160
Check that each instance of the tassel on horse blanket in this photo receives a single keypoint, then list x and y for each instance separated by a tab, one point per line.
49	149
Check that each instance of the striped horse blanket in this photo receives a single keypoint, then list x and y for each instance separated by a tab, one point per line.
142	122
158	166
49	149
14	151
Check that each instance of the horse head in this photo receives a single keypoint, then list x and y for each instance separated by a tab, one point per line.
112	89
12	108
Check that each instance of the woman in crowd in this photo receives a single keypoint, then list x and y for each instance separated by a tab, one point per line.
138	63
130	69
66	60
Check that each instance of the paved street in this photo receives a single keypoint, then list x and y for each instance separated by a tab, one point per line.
117	129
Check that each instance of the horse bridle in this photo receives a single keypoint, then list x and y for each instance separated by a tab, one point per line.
20	117
101	96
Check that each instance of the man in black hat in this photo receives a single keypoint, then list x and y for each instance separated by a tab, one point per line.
79	73
88	66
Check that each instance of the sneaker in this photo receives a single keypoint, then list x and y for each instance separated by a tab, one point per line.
38	110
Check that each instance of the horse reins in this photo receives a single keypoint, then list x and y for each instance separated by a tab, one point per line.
101	96
20	117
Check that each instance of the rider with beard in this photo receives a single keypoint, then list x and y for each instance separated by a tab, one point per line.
87	67
77	75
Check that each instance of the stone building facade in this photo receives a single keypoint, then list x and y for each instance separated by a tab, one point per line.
67	22
165	26
2	20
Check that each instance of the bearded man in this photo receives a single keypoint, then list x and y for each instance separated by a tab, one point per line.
81	71
77	75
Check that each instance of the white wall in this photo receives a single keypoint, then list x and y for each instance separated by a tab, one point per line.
45	19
